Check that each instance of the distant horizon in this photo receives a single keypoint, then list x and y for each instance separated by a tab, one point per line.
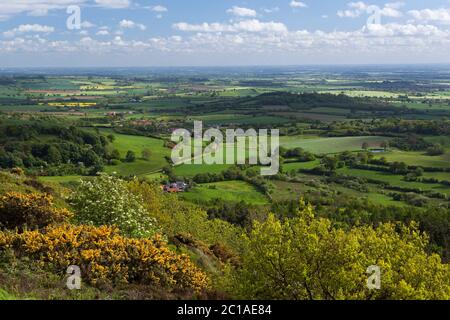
436	64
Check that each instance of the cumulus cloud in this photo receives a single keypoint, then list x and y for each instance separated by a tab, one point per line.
297	4
431	15
408	30
10	8
158	8
371	43
102	33
129	24
28	28
271	10
252	25
87	24
242	12
356	9
113	4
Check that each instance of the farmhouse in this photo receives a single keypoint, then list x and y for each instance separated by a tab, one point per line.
174	187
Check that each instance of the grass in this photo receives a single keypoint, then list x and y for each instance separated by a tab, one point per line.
364	93
61	179
192	170
6	296
394	180
124	143
287	167
294	190
232	191
418	158
330	145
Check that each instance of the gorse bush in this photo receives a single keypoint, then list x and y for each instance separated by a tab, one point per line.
106	200
32	211
105	256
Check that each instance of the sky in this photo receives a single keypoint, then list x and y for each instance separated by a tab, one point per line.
133	33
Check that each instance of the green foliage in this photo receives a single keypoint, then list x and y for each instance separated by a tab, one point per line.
106	200
307	258
436	150
177	217
146	154
130	157
41	147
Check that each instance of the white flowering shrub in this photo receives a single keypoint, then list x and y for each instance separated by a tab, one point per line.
106	200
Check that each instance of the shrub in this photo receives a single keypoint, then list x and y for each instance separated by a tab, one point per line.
106	200
435	150
130	157
104	256
33	211
224	254
17	171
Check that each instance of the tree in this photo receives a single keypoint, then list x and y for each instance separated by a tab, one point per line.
130	157
106	200
111	137
115	154
436	150
330	163
308	258
53	155
146	154
365	146
419	172
385	145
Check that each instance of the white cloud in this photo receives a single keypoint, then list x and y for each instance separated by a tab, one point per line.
28	28
431	15
392	9
113	4
404	30
297	4
102	33
356	9
271	10
389	42
242	12
252	25
10	8
129	24
86	25
158	8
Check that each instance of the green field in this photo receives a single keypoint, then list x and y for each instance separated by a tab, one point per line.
287	167
329	145
394	180
190	170
418	158
233	191
123	143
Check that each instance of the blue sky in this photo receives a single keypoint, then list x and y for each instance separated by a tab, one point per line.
219	32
